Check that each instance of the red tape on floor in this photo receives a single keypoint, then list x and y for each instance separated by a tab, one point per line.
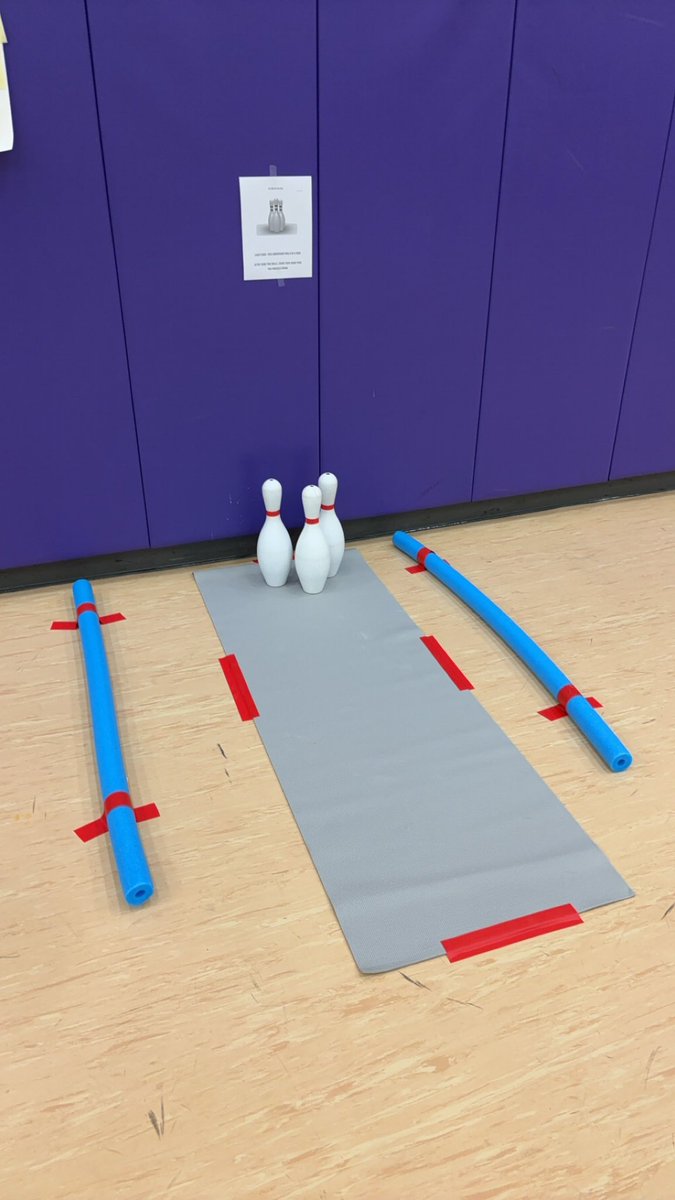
443	659
556	711
145	812
422	557
238	686
109	620
480	941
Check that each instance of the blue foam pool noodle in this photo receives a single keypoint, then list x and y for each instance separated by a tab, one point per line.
603	739
132	865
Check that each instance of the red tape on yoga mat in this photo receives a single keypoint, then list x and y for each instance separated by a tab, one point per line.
239	688
480	941
444	660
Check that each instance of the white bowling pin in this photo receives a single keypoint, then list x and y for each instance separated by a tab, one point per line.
275	549
270	219
329	523
282	219
312	556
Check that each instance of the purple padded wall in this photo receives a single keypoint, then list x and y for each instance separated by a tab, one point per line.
224	373
590	102
412	100
69	476
646	435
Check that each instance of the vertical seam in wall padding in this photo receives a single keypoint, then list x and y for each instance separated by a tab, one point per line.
318	363
494	245
640	290
117	271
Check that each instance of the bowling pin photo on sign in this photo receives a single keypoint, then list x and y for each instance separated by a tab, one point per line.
276	222
276	226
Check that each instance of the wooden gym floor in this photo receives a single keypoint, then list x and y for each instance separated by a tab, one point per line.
220	1043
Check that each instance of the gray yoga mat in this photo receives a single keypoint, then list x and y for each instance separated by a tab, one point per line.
423	820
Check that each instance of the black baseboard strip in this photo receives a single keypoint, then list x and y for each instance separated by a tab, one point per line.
194	554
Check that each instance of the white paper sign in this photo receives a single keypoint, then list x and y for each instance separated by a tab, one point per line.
276	226
6	128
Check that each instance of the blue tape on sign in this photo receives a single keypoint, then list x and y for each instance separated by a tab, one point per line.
603	739
132	865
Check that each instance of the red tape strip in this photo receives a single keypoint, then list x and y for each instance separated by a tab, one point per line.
109	620
443	659
480	941
93	830
556	711
239	688
416	569
116	800
567	693
145	812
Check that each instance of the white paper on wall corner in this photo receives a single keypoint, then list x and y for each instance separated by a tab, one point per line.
6	127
